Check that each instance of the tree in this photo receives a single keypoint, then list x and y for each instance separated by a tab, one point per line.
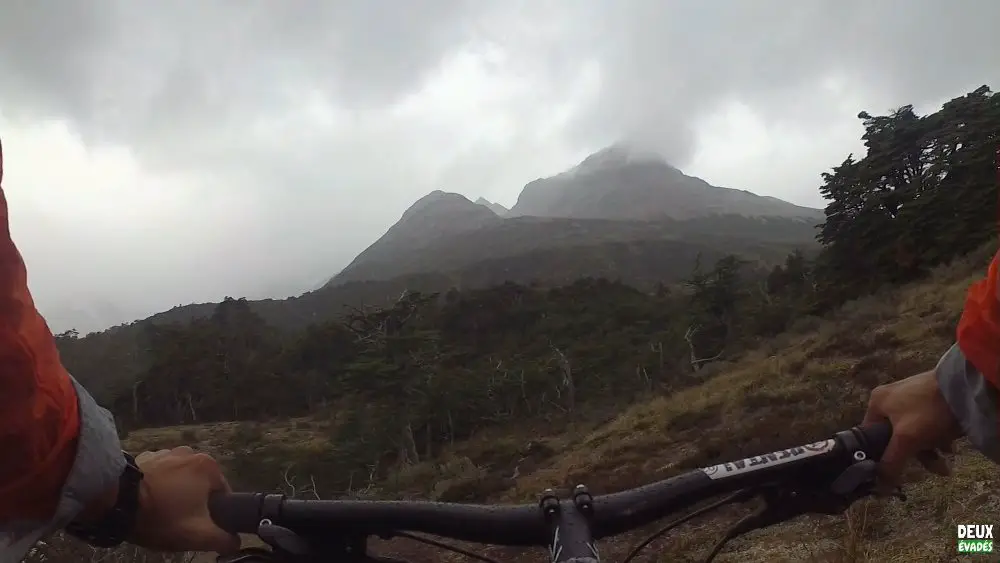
925	192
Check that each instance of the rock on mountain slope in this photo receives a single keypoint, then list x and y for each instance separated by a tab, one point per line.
494	207
622	182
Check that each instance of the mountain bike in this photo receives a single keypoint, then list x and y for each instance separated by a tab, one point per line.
823	477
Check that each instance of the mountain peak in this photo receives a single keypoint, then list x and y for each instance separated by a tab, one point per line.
436	216
439	196
628	181
493	206
621	154
438	200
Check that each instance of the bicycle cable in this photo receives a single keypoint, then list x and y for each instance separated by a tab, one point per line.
739	496
442	545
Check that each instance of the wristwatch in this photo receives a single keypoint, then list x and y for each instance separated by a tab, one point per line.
116	525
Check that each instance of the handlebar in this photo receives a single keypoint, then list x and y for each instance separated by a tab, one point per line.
833	472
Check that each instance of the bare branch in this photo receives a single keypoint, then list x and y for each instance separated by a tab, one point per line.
764	292
372	477
291	490
556	405
695	361
567	373
312	487
643	375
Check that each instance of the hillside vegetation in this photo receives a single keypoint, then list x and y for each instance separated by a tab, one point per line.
642	255
492	393
809	382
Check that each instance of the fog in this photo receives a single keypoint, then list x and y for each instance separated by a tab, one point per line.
173	152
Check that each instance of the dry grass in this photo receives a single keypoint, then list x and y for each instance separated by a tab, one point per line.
224	439
802	386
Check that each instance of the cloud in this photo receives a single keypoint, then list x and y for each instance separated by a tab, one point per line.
175	152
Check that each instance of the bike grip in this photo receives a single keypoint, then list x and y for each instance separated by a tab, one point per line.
875	437
236	513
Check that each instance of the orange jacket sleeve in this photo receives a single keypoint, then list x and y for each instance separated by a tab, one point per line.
39	418
979	327
978	332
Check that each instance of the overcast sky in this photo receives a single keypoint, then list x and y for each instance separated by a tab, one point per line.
160	153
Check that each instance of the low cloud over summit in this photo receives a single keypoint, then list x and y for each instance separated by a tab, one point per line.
166	153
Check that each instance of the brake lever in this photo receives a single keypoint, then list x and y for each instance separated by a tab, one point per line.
782	504
285	544
859	481
283	540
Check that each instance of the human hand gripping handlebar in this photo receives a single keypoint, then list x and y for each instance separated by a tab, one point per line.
823	477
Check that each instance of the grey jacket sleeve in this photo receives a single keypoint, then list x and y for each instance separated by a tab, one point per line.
973	400
99	463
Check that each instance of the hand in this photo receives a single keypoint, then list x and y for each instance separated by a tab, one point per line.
173	503
922	424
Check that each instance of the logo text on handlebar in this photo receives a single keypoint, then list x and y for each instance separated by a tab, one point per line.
779	457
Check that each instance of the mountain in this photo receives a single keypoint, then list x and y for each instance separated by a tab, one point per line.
618	200
622	182
445	241
617	195
494	207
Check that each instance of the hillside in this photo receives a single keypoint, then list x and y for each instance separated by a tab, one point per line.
109	360
576	242
803	385
622	182
623	251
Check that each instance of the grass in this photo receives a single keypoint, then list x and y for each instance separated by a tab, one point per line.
799	387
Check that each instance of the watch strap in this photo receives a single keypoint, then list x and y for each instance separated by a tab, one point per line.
116	525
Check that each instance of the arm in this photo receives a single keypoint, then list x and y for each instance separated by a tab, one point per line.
969	373
60	451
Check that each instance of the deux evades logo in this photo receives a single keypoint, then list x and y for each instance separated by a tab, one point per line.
975	538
